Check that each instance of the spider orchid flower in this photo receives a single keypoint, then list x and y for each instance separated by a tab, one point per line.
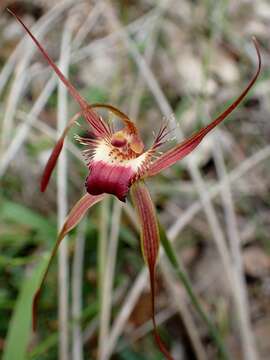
117	163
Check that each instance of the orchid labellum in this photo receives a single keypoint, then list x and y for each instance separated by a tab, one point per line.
118	162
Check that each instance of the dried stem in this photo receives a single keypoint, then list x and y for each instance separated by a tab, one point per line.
241	300
102	260
40	28
76	281
23	129
77	278
107	289
126	309
242	306
20	79
63	278
142	330
177	293
181	274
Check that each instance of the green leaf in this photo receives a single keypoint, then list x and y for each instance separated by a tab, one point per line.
22	215
20	324
96	95
131	355
43	347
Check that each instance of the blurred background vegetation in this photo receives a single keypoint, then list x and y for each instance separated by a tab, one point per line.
152	59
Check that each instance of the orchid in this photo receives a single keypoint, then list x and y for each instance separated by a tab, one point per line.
118	163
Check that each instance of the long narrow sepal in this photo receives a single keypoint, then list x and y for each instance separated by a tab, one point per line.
150	245
74	217
99	127
55	154
183	149
118	113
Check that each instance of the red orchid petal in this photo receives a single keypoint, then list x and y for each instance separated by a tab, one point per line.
74	217
110	179
150	244
100	128
55	154
180	151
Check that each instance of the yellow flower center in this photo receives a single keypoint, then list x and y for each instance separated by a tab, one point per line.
127	142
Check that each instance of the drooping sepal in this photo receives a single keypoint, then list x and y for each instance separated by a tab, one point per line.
74	217
55	154
150	245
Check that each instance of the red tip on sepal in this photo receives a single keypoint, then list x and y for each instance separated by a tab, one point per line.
158	339
55	154
34	310
51	165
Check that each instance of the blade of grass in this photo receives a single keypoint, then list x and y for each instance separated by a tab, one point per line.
102	263
171	256
142	330
233	176
21	76
63	276
241	298
179	301
105	315
77	288
241	301
43	348
19	214
40	28
20	325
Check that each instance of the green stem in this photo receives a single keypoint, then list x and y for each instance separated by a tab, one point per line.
170	253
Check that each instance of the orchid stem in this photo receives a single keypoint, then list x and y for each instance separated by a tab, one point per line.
170	253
